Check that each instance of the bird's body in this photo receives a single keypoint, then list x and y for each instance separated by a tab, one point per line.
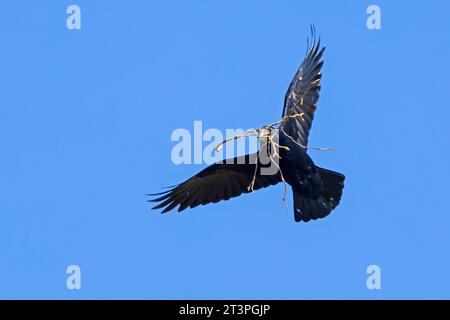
316	191
298	168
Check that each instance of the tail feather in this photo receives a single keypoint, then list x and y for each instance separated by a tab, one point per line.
307	208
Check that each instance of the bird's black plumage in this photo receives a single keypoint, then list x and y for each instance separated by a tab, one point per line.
316	191
220	181
303	94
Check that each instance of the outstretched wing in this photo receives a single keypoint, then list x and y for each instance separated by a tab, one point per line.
220	181
303	94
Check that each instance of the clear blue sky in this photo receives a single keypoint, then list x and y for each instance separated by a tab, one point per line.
85	123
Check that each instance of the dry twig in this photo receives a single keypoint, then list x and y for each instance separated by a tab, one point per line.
265	134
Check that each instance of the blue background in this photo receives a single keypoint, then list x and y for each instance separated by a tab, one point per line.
85	123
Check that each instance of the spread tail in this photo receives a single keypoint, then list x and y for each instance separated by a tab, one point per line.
307	208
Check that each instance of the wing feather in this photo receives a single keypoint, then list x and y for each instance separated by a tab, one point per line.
220	181
303	93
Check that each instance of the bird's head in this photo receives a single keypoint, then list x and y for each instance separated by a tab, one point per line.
265	135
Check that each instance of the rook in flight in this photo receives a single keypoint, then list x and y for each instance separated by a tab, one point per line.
316	191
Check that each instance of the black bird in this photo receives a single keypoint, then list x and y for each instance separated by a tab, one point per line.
316	191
